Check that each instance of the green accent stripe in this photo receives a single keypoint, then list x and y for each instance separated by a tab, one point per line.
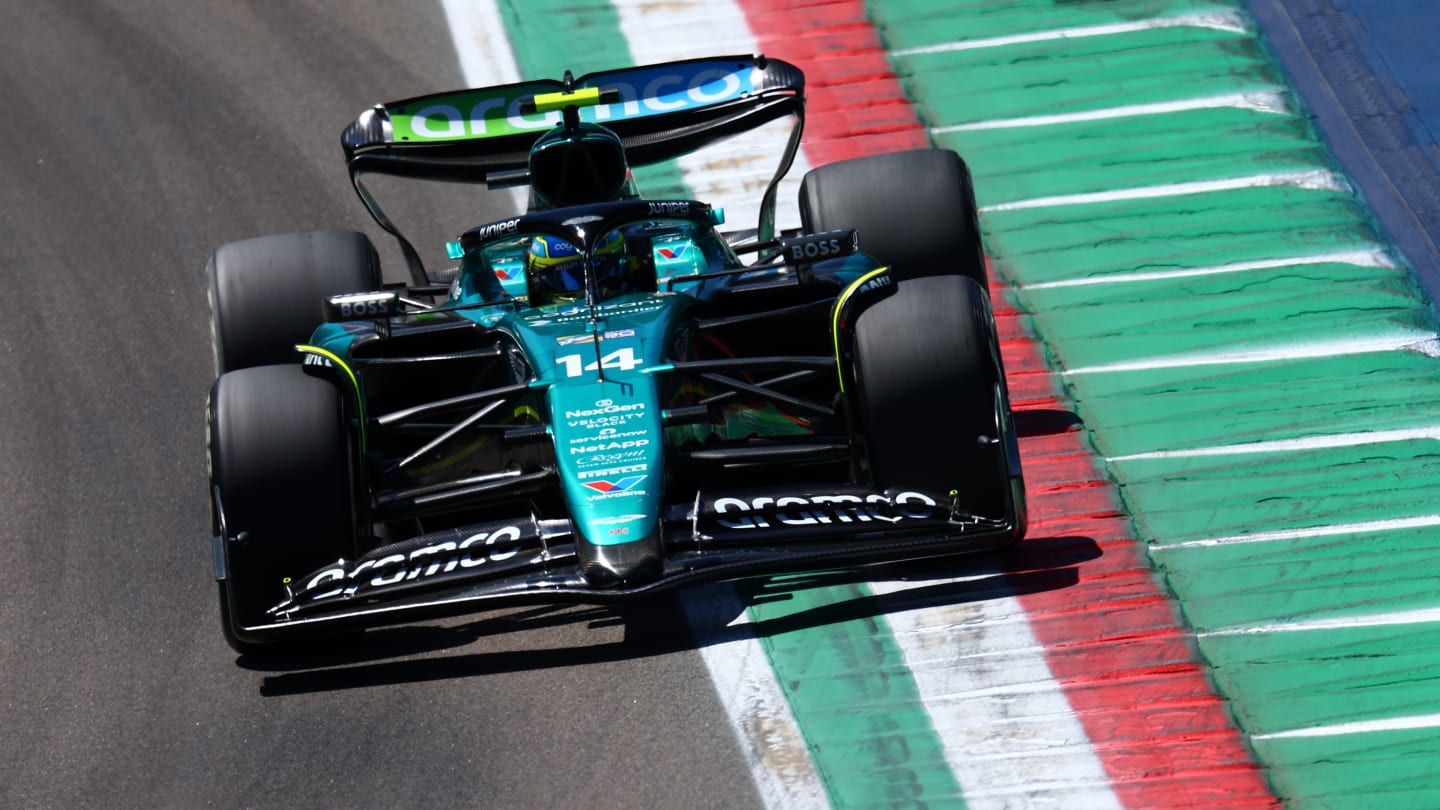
354	381
582	97
835	318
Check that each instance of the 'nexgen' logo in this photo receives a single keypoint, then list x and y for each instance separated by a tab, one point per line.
605	407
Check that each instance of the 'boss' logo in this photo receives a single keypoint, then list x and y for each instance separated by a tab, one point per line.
815	250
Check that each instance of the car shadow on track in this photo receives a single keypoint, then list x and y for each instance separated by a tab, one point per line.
1034	566
660	626
650	628
1045	422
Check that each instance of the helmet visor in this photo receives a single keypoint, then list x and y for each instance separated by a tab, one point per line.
555	270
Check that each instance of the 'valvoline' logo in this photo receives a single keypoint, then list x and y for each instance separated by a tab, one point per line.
623	485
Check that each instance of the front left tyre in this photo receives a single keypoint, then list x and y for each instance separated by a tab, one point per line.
281	487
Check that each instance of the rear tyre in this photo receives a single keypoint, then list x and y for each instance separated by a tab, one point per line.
265	292
280	462
929	399
914	211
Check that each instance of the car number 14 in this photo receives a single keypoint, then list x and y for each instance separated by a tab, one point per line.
623	359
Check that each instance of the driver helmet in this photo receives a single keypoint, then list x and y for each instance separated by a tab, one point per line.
577	165
555	269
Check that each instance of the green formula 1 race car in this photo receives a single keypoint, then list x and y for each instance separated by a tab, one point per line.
607	395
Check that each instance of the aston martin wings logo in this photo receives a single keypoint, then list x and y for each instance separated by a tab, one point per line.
621	485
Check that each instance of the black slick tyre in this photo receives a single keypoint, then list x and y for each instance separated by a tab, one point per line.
929	396
280	473
265	292
914	211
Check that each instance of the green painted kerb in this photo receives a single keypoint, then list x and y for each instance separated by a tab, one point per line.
1258	370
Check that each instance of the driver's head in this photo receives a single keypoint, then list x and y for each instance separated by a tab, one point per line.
585	164
555	269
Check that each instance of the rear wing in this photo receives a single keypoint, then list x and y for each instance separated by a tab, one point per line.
659	112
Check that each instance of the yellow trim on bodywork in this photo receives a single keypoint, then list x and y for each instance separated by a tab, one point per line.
582	97
835	318
355	381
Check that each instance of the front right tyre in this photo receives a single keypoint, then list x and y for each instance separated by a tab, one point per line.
930	400
914	211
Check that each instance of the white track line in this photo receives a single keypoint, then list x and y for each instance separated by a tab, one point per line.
485	54
1217	20
1424	343
1399	617
1270	101
478	32
1315	180
1373	257
1331	442
1009	733
769	736
1336	530
1411	723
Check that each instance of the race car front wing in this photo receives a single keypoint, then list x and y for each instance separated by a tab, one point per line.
533	561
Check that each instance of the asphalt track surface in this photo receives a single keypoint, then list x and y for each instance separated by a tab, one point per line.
138	135
1369	71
